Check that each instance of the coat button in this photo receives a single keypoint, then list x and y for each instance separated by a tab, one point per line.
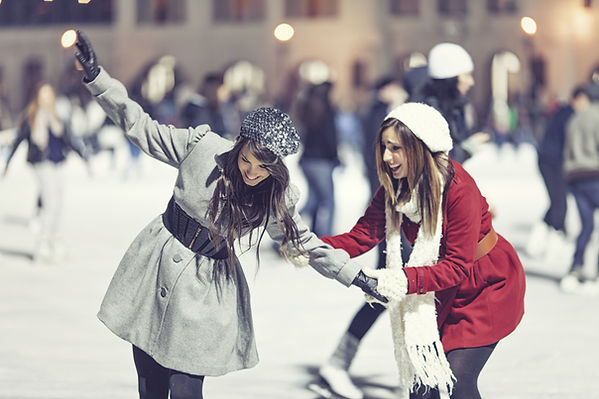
421	290
177	258
163	292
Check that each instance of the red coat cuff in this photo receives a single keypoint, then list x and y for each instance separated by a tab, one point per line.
415	277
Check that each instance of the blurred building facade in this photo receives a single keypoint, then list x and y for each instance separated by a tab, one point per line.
352	41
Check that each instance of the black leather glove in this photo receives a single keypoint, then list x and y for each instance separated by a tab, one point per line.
368	285
86	57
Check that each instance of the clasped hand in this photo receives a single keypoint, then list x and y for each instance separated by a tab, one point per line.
368	285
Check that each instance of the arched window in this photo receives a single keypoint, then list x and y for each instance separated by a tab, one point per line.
595	75
408	61
160	11
311	8
505	87
245	83
238	10
315	71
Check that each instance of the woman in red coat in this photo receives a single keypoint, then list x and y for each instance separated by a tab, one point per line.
462	288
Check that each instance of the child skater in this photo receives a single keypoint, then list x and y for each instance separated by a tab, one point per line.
462	288
179	295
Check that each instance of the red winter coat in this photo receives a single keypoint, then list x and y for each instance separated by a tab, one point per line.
478	302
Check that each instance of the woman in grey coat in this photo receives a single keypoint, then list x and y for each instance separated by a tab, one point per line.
179	295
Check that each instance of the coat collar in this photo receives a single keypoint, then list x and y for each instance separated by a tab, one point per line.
221	159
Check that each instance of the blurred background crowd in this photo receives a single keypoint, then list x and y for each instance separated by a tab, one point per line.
336	66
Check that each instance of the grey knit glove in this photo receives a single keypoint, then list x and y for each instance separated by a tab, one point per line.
368	285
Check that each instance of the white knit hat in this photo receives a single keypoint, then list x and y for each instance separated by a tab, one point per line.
426	123
448	60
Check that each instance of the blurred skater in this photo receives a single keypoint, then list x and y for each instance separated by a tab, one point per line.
49	142
387	94
316	115
581	166
450	69
549	235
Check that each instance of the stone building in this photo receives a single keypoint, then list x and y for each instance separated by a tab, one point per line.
351	41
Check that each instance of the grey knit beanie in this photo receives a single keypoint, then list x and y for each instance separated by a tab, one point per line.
273	129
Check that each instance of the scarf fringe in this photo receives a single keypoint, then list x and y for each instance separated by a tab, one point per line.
418	349
430	369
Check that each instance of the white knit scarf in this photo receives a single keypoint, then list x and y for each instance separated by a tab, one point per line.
418	350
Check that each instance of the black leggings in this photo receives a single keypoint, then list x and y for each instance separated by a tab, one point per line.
364	319
466	365
155	381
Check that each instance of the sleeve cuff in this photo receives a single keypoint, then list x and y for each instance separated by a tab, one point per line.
414	280
348	273
100	83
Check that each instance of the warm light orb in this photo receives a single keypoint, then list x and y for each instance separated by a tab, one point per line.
68	38
284	32
528	25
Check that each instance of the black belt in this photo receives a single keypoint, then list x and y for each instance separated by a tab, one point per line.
190	232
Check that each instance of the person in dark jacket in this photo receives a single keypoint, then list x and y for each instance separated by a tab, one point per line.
205	107
319	157
552	230
581	169
49	142
388	93
450	69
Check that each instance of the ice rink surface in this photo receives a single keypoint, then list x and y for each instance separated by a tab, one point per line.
52	346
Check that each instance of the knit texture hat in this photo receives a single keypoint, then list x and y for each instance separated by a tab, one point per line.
426	123
448	60
273	129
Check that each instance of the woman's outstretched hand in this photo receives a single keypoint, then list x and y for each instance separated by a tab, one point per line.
86	57
368	285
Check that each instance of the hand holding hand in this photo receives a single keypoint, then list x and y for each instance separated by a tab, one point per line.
392	283
368	285
86	57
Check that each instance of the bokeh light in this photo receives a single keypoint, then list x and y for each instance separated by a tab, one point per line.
528	25
68	38
284	32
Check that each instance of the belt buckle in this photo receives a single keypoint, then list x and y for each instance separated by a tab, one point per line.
195	236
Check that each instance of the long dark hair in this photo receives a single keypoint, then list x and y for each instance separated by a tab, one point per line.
429	171
236	207
445	93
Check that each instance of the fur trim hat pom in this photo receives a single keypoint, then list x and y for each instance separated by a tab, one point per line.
448	60
426	123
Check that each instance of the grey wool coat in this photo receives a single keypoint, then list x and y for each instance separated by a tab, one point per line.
162	298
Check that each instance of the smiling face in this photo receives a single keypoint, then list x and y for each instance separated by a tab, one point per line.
252	170
393	153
